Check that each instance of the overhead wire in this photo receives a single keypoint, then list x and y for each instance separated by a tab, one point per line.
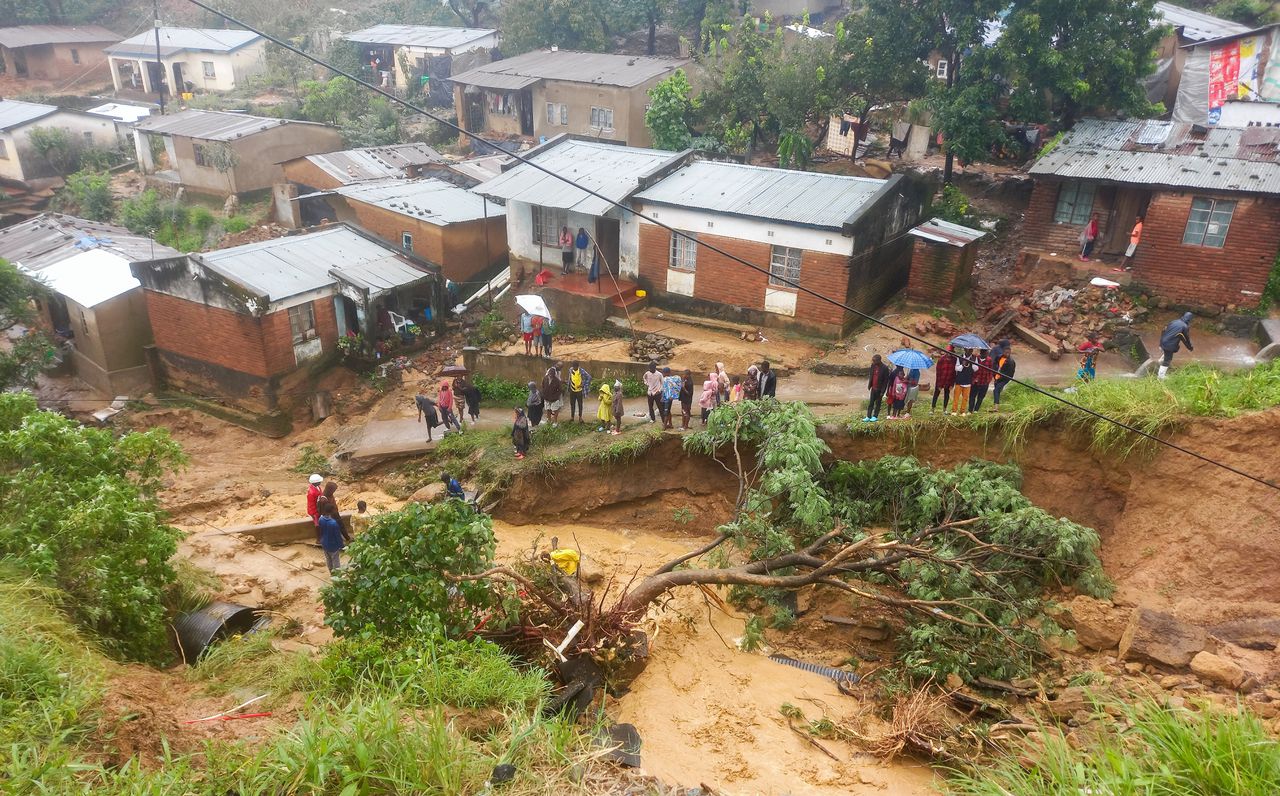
711	247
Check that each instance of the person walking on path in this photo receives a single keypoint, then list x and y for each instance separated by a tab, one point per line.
768	381
470	395
983	375
1005	367
1088	359
313	495
427	411
751	385
1088	236
1135	237
526	332
617	408
963	385
566	250
670	394
548	332
520	434
686	400
944	378
707	400
533	405
653	390
444	400
553	394
604	410
333	539
583	242
877	384
579	384
1177	333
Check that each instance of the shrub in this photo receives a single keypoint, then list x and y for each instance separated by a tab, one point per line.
147	213
91	192
311	460
501	392
395	582
236	224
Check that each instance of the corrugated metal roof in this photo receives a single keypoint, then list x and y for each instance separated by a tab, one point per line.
285	267
793	197
15	113
1243	159
52	237
939	231
211	125
566	65
608	169
32	35
482	168
434	201
374	163
442	38
1197	26
176	40
89	278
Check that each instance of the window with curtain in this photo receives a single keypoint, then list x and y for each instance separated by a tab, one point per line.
684	251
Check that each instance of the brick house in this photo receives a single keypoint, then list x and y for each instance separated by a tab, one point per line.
237	322
1210	198
840	236
942	260
460	231
321	172
56	52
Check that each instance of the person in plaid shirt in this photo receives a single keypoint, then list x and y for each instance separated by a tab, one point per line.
982	378
943	379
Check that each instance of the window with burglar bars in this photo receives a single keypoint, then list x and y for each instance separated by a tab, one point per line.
784	263
684	251
1075	203
547	222
302	322
1208	223
602	118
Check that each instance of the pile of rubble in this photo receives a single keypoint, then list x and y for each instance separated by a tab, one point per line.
651	347
1066	316
254	234
937	327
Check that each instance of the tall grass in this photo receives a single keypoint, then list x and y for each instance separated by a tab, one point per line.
1168	752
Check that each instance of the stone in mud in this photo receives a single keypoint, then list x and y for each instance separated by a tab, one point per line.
1157	637
1099	625
1217	670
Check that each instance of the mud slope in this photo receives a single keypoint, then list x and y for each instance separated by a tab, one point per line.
1178	534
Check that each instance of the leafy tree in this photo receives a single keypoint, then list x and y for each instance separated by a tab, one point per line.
80	514
1254	13
670	109
364	118
568	24
39	12
395	582
470	12
31	353
878	59
650	13
91	193
56	146
733	96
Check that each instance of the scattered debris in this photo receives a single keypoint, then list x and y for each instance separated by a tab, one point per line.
1060	318
652	348
826	671
937	327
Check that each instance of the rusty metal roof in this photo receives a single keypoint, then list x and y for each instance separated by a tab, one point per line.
375	162
1176	155
212	125
33	35
52	237
939	231
429	36
433	201
603	69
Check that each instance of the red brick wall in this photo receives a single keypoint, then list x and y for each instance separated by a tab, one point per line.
304	172
725	281
1200	275
1043	235
209	334
938	272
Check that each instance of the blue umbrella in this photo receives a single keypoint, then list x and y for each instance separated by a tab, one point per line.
911	359
970	340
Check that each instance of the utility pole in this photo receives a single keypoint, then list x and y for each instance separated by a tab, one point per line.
159	64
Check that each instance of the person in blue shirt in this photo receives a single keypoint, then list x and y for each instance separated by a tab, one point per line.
451	487
526	332
333	539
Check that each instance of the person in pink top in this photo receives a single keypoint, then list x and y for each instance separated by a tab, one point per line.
445	402
708	398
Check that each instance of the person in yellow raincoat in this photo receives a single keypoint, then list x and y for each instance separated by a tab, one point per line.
605	413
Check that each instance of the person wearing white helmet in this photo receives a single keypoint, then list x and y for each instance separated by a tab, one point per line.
313	494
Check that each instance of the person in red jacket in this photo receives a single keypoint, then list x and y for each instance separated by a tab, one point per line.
943	379
313	494
982	378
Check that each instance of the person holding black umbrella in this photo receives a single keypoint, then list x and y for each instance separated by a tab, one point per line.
964	383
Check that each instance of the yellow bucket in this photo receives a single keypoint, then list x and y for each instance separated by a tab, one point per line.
641	294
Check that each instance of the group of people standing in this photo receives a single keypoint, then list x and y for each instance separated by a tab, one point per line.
1089	238
573	249
332	532
448	406
962	380
664	390
536	331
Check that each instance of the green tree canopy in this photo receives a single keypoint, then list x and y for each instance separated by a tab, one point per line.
669	113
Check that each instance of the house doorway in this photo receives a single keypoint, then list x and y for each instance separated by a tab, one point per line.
473	120
155	77
344	309
607	240
19	62
178	82
1128	205
526	112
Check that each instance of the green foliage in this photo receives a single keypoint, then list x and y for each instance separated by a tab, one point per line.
752	634
80	515
953	206
395	580
236	224
146	213
669	112
493	329
311	460
569	24
91	193
795	150
40	12
26	356
1271	293
56	146
364	118
1254	13
502	393
1167	751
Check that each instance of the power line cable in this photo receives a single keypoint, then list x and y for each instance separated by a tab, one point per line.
710	247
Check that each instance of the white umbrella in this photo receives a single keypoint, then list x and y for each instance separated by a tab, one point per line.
534	305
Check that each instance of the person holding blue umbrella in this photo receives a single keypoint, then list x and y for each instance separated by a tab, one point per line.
909	363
